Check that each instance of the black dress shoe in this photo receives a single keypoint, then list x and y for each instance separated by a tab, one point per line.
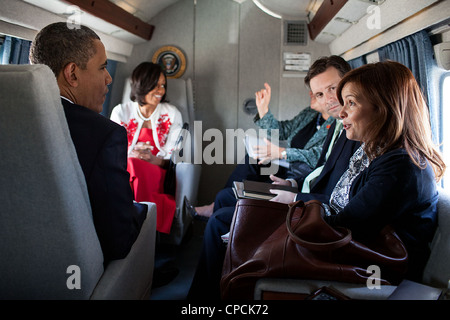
191	209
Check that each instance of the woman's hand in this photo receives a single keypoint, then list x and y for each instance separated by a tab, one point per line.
143	151
279	181
283	196
268	152
262	100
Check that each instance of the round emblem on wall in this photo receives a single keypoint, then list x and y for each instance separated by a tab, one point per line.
172	60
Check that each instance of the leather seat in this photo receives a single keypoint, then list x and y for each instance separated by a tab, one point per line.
49	246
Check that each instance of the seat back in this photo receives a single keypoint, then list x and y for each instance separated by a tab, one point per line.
179	93
437	270
49	242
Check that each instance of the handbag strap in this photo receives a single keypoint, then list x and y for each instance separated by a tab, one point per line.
319	246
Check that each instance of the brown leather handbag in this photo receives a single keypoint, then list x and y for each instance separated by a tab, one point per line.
270	239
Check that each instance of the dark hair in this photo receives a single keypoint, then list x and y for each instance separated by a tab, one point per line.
323	63
401	113
56	45
144	79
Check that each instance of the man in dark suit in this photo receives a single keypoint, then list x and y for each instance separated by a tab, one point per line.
78	59
331	169
322	78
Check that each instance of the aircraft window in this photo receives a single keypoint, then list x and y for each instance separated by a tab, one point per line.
14	50
446	129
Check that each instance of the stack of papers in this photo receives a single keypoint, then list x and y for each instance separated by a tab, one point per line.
251	141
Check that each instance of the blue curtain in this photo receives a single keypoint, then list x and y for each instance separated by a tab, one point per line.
111	67
357	62
416	53
14	51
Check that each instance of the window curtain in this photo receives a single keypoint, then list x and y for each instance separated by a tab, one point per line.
14	51
111	67
357	62
416	53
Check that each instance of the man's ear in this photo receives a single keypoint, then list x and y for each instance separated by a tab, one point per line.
70	74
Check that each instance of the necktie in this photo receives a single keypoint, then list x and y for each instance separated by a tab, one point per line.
309	180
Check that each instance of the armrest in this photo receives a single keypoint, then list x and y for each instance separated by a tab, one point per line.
306	287
409	290
131	277
188	179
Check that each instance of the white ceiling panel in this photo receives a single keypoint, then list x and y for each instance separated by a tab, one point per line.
354	10
65	9
144	9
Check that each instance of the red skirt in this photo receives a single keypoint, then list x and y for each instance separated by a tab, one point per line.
147	183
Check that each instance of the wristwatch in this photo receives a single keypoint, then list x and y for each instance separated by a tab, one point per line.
283	154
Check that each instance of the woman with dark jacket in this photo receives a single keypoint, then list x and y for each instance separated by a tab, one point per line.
383	108
391	179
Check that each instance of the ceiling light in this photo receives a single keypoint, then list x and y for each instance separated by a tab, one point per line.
263	8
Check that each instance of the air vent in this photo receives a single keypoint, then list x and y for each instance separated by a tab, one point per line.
295	33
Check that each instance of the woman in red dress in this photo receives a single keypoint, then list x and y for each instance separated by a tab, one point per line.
153	126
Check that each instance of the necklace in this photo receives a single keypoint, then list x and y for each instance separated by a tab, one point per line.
141	115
